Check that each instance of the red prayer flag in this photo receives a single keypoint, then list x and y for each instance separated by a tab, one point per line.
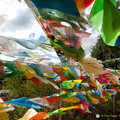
83	106
53	99
46	28
82	4
36	80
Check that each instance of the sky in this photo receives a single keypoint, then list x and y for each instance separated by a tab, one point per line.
20	23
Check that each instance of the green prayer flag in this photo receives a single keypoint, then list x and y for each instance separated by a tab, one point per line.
11	70
56	112
13	73
96	14
10	65
105	17
50	14
66	95
68	75
67	84
72	52
108	96
111	23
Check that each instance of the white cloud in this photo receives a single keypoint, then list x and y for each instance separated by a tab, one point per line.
91	41
21	22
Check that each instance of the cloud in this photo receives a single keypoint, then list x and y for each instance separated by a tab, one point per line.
90	42
22	21
3	18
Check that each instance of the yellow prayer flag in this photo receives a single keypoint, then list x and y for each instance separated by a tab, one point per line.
77	81
71	99
94	100
29	73
68	108
3	115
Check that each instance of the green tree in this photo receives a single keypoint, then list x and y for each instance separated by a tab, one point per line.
103	52
19	86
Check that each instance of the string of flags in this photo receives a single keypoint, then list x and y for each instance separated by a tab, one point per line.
112	60
73	68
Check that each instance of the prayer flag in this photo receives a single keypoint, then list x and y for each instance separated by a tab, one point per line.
54	15
65	6
111	25
105	17
24	102
68	108
40	116
70	36
56	112
72	99
82	4
117	41
30	113
53	99
42	101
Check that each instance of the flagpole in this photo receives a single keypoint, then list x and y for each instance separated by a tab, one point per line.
60	103
114	97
